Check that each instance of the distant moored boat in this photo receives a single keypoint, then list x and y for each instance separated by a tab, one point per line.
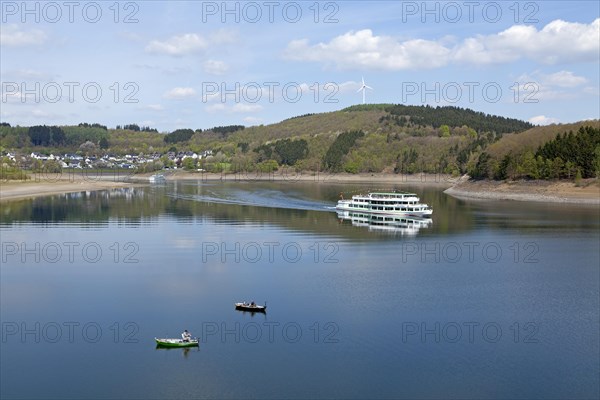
251	307
157	178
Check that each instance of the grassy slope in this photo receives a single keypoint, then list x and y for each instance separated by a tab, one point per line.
311	125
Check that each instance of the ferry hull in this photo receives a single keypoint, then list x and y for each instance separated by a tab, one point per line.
420	214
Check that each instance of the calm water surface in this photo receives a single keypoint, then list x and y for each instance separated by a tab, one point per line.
488	300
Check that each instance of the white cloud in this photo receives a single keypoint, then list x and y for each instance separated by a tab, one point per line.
180	93
215	67
216	108
41	114
236	92
253	120
562	85
14	97
362	49
189	43
257	93
350	86
564	79
236	108
223	36
11	35
558	41
26	73
178	45
543	120
246	108
152	107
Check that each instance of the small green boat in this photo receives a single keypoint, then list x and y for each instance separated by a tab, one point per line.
176	343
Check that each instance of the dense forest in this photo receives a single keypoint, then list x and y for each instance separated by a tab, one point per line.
285	151
339	148
46	135
179	135
224	130
453	116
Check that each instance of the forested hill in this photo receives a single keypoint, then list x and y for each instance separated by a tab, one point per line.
453	117
360	139
565	151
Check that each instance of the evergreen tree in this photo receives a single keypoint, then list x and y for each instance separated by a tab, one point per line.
339	148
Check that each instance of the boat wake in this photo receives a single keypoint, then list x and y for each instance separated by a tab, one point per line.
256	198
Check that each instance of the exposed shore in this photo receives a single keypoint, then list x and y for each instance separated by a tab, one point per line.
540	191
442	181
50	184
543	191
17	190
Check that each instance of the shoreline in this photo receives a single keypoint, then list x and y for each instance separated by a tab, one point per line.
532	191
20	190
52	184
443	181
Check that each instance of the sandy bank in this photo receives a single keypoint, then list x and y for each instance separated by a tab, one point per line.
27	189
442	181
542	191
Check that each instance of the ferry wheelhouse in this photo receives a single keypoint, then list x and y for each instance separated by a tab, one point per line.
391	203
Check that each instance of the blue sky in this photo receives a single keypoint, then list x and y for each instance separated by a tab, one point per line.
192	64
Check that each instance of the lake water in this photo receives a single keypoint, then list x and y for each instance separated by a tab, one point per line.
487	300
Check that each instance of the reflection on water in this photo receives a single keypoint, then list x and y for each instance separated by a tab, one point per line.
185	351
388	223
305	207
259	314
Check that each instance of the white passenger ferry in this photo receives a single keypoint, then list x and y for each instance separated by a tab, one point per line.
386	203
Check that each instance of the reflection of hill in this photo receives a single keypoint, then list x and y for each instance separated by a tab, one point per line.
139	206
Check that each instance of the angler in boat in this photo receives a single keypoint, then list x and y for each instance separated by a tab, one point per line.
252	306
185	341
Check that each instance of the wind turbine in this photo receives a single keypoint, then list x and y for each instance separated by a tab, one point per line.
364	88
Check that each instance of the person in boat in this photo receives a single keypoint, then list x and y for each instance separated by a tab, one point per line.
186	336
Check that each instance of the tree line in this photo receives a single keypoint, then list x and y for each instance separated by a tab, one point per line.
403	115
569	155
224	130
136	128
86	125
